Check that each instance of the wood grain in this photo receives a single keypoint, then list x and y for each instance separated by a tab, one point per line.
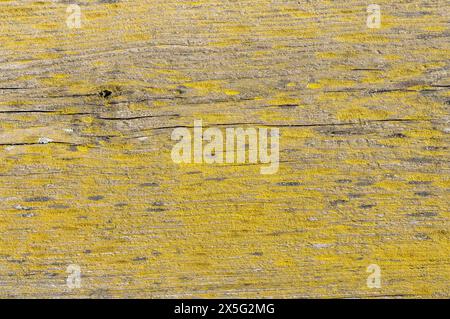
87	178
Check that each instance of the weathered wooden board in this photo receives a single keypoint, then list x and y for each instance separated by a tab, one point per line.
87	178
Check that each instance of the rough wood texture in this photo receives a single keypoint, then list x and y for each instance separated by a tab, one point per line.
87	178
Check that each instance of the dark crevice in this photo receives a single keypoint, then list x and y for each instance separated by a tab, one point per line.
25	111
290	125
368	69
441	85
135	117
71	95
37	143
390	90
13	88
105	93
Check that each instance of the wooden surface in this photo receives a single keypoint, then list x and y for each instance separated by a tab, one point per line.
87	178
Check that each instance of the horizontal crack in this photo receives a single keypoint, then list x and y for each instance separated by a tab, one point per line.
135	117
